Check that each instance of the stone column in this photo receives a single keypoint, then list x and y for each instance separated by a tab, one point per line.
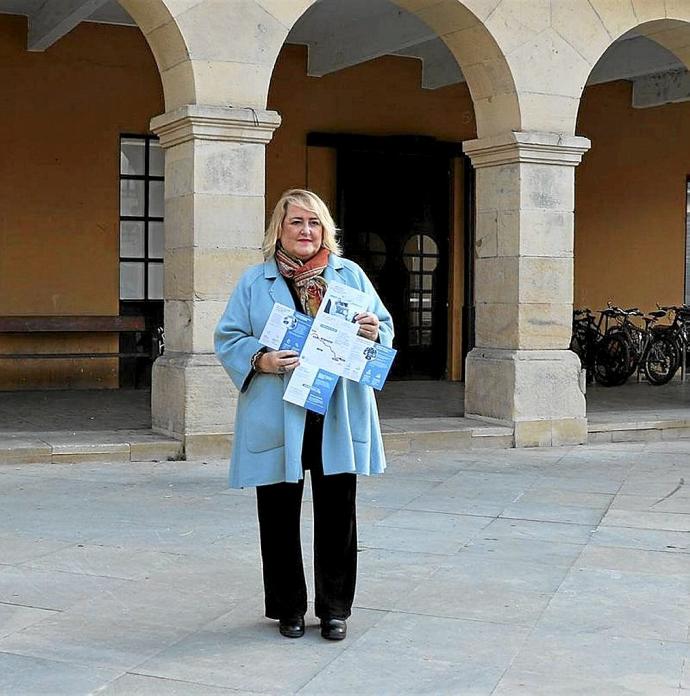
214	223
521	372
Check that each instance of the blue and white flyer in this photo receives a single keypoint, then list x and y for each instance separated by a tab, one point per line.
286	329
369	362
329	343
343	302
329	347
310	387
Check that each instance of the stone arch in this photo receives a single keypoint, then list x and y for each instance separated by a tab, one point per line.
461	26
579	35
223	53
156	20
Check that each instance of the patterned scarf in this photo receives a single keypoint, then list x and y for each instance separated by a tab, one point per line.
306	278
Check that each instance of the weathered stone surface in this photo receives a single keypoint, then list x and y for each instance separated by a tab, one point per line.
192	324
541	232
544	325
545	279
154	448
547	187
524	287
497	279
516	24
648	10
23	449
202	273
550	112
155	13
496	325
522	385
208	446
256	34
580	25
617	17
215	182
498	188
224	222
287	12
191	394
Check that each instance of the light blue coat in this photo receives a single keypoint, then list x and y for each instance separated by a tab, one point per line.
267	445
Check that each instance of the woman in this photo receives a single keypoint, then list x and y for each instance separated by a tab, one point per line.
276	441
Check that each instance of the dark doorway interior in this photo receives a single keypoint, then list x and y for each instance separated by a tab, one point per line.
393	209
135	372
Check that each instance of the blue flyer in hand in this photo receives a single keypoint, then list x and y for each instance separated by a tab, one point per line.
311	387
378	361
286	329
321	390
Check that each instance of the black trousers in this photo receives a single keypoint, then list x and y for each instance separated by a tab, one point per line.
335	539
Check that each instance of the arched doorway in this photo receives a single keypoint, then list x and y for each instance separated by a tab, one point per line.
632	201
390	164
69	171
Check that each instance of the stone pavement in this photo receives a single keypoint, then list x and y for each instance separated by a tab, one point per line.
548	572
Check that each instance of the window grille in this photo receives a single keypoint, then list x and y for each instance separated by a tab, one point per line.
141	218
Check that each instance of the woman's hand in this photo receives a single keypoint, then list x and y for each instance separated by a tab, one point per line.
278	362
368	325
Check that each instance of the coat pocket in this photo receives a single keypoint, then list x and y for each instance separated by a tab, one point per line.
263	407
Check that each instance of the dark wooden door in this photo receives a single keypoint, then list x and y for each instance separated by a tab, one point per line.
393	210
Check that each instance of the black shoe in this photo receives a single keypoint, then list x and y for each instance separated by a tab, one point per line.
333	629
292	628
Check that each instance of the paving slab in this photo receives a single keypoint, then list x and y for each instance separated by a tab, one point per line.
49	589
456	592
456	527
408	654
537	529
16	617
111	642
388	576
24	449
551	512
645	519
649	539
509	549
18	548
262	661
611	602
629	560
36	676
129	684
586	664
150	579
679	502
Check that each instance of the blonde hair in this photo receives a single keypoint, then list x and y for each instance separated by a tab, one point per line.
309	201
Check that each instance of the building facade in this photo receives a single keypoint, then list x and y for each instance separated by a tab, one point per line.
448	136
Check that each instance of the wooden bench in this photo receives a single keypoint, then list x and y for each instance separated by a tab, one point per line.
78	324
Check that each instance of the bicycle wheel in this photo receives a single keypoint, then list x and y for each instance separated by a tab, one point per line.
660	361
612	360
632	342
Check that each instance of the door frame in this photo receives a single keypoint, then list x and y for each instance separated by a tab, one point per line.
460	324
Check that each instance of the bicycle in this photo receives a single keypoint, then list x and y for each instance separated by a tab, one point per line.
604	357
584	339
651	350
675	335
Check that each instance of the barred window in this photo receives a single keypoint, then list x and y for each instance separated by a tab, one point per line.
141	218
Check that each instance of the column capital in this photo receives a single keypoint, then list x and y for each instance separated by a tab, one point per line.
219	123
531	147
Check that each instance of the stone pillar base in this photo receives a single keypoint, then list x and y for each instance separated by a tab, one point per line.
193	400
537	392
